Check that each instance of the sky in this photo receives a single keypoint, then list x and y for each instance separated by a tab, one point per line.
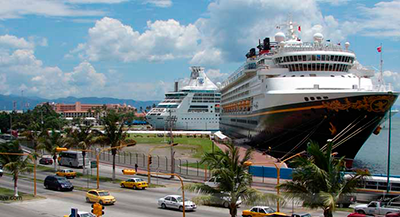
136	49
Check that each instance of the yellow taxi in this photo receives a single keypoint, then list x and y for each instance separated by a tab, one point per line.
99	196
258	211
67	173
135	183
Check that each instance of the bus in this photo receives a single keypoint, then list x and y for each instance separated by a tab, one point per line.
374	188
73	159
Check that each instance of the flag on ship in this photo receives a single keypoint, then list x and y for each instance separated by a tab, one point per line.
379	49
299	28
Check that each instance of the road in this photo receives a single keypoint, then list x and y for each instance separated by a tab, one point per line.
129	202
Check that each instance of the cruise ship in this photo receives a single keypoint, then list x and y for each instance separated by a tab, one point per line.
195	106
289	92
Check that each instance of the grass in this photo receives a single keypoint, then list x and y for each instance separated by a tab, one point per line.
42	168
94	177
198	146
7	195
345	209
156	186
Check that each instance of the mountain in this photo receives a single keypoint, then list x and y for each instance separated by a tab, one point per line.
7	101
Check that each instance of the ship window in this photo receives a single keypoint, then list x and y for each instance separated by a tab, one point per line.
284	76
312	98
313	57
308	57
313	75
318	66
304	58
323	57
332	76
299	58
318	97
295	58
325	97
306	99
291	58
301	75
318	57
293	75
342	76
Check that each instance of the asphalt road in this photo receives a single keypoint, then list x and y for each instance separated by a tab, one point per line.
129	202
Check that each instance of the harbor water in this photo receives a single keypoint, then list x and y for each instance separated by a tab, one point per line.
374	153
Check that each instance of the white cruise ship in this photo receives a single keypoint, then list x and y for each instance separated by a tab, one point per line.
195	106
291	92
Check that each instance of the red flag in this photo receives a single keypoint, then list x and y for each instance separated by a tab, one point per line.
379	49
299	28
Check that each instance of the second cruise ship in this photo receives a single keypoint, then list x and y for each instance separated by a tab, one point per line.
195	106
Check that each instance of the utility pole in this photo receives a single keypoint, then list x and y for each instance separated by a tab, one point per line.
171	122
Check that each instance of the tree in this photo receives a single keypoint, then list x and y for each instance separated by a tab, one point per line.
15	164
113	134
318	180
233	178
49	142
81	138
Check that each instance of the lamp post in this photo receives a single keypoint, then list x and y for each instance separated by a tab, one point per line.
34	167
388	163
278	175
149	156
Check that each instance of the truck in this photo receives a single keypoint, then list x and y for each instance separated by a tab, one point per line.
375	208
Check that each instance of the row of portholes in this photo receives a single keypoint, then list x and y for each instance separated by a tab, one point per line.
314	75
315	98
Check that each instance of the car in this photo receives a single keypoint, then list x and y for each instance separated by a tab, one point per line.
67	173
393	214
256	211
100	196
46	161
176	202
58	183
220	200
301	215
1	172
82	214
135	183
355	214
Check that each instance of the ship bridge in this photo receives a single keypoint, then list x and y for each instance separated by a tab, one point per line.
314	57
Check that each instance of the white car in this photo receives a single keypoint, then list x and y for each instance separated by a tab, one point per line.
176	202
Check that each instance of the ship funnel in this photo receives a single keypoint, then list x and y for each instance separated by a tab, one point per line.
267	45
347	45
176	86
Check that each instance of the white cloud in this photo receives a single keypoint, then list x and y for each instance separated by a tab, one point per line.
216	75
163	40
159	3
4	87
10	9
382	19
14	42
96	1
335	2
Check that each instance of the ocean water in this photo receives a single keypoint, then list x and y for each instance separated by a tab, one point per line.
374	153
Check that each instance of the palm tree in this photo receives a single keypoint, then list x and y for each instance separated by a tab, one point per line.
16	164
49	142
233	178
81	138
319	180
113	134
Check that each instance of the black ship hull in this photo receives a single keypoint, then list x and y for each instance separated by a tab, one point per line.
286	130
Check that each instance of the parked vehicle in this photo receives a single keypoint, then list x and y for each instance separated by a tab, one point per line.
354	214
1	171
375	208
100	196
135	183
67	173
257	211
176	202
73	159
58	183
221	200
82	214
46	161
301	215
393	214
346	200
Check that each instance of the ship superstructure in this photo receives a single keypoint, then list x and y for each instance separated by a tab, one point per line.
195	106
291	92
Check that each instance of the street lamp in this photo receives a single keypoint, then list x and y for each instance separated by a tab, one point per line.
34	167
149	157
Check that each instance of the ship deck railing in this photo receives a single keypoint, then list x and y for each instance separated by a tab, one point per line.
309	46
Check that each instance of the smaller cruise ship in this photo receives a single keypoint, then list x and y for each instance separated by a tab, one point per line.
195	106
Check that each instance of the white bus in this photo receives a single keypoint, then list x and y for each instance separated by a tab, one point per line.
375	188
73	159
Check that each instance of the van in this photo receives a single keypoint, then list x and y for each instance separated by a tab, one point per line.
58	183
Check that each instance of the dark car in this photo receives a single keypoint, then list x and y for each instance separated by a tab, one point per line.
354	214
58	183
46	161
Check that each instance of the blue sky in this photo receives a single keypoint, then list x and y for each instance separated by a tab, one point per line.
136	49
